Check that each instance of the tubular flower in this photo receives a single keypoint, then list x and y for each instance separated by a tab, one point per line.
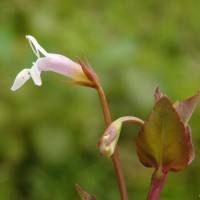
49	62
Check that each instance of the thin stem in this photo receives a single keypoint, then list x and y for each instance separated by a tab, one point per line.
157	182
104	106
119	175
115	156
132	119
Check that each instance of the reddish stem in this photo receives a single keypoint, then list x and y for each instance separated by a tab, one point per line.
115	156
157	182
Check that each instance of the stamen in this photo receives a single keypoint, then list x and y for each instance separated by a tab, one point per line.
35	46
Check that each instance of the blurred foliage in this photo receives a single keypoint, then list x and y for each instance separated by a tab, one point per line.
48	134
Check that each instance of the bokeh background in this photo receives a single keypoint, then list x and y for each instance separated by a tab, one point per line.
49	134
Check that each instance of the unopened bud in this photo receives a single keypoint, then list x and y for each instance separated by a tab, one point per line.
110	138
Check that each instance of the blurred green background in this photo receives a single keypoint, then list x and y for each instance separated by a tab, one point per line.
49	134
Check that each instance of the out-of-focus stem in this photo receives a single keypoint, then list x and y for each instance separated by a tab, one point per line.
115	156
157	182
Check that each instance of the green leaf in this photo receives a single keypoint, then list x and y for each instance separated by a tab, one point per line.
162	143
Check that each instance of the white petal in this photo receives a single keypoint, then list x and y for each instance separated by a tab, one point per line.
35	74
35	46
20	79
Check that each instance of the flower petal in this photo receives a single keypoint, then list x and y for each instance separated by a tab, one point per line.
62	65
35	46
20	79
35	74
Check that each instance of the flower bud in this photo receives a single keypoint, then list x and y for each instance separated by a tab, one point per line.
110	138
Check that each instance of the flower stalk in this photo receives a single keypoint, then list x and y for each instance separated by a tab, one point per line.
91	75
115	157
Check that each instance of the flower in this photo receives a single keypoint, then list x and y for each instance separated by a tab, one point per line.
50	62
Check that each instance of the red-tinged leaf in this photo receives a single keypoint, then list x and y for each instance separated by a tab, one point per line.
186	108
157	95
162	143
84	195
191	149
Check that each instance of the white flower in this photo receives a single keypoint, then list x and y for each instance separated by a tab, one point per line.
50	62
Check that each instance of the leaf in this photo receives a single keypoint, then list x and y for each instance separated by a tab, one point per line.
157	95
186	107
84	195
162	142
191	149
